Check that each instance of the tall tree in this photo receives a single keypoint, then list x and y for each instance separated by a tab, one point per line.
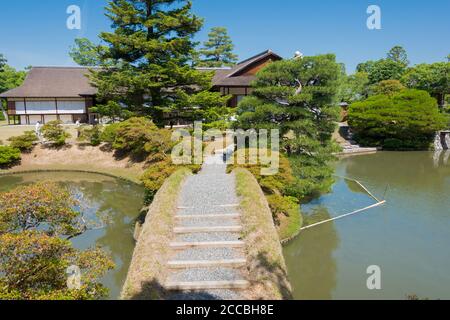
218	50
9	77
353	87
391	68
148	59
2	62
433	78
85	52
398	54
298	97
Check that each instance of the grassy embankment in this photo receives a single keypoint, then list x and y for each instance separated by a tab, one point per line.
148	270
284	206
267	269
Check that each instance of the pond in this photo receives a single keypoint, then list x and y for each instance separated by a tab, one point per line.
118	202
408	238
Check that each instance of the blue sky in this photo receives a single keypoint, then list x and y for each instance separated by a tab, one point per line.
34	32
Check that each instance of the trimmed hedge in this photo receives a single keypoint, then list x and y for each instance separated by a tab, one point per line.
407	120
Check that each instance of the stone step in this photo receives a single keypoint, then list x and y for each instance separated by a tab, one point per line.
205	274
207	285
208	222
211	244
207	237
206	210
181	230
213	254
228	205
208	216
183	264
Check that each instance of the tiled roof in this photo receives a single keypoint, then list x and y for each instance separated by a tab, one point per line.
48	82
233	77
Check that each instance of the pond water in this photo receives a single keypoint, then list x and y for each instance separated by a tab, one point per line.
408	238
116	201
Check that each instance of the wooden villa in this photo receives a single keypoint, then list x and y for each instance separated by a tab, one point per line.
65	93
51	93
236	81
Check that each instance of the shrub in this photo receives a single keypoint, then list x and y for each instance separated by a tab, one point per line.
286	215
91	134
388	87
141	137
281	194
25	142
54	132
9	155
109	133
407	120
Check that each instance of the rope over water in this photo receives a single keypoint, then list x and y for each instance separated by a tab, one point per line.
377	204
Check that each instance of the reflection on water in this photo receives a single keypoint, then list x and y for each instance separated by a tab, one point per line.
115	201
312	269
408	237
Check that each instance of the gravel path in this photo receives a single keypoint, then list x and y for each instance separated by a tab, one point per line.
210	192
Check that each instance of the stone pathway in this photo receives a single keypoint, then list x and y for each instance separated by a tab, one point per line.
207	256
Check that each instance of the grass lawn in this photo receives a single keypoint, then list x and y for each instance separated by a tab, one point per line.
7	131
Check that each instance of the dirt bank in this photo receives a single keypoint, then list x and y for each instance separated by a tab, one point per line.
78	157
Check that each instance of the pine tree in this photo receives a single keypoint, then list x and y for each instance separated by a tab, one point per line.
218	50
147	63
3	62
398	54
298	97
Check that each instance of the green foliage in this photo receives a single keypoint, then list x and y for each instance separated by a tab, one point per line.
388	87
42	205
3	62
147	57
398	54
306	120
141	137
86	53
278	188
25	142
218	50
286	215
433	78
10	78
391	68
407	120
353	87
9	155
2	115
384	69
33	267
112	110
205	106
154	177
90	133
54	132
109	133
33	254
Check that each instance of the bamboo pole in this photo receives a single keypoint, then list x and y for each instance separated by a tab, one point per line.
345	215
